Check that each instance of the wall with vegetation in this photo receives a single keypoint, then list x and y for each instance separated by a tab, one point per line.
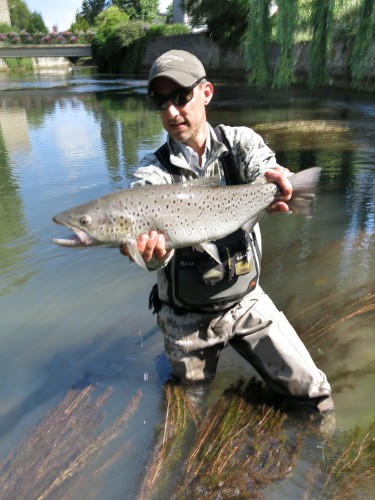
229	63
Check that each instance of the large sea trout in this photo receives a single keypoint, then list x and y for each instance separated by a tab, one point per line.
192	213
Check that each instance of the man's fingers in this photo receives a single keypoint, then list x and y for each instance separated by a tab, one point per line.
280	177
146	245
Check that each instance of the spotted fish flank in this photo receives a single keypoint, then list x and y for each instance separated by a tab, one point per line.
188	214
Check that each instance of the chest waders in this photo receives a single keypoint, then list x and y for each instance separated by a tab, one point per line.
196	282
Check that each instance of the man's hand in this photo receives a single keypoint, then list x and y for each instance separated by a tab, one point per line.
279	175
150	245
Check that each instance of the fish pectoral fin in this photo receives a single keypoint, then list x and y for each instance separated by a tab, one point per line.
134	253
211	249
249	225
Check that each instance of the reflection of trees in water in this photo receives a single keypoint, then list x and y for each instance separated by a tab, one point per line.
128	129
12	227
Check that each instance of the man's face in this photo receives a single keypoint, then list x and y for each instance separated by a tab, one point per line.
186	123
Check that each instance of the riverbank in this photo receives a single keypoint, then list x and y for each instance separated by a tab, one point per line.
228	63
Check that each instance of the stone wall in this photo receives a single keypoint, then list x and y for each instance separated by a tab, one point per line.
42	63
229	64
219	62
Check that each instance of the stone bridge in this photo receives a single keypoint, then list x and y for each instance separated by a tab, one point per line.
68	51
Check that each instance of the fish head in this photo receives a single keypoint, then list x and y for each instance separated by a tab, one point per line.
92	225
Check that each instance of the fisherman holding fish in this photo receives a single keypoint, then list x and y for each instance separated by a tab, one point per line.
192	214
202	305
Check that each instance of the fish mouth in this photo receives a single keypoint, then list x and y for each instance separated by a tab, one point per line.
79	239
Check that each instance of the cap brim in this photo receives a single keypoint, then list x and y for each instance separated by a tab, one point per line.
182	79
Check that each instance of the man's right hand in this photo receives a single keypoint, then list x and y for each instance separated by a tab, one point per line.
150	245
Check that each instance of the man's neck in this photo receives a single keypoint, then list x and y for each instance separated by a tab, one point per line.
198	142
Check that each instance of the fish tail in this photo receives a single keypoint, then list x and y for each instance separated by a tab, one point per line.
305	185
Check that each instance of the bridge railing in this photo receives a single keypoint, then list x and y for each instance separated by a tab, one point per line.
54	38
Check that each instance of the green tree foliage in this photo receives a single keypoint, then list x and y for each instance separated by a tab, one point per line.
22	19
362	41
226	21
36	24
105	47
80	23
19	14
107	19
322	20
91	8
142	10
257	43
169	14
317	22
286	26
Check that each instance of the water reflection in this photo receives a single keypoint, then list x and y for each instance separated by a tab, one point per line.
71	318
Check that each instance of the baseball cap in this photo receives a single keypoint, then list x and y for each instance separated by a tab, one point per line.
179	65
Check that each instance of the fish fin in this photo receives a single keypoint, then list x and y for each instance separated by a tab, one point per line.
134	253
304	184
249	225
211	249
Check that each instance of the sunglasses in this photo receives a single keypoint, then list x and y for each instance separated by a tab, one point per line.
179	97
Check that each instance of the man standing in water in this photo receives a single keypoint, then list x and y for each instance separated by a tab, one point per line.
203	306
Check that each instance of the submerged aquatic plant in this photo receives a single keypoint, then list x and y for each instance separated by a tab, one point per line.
356	306
348	470
239	446
63	444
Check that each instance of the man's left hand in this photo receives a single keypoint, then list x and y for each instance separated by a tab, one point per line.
279	175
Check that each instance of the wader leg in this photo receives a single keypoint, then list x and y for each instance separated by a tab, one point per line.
263	336
192	350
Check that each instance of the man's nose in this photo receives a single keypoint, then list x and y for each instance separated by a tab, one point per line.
171	109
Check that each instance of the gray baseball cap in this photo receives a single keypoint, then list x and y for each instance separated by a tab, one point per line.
179	65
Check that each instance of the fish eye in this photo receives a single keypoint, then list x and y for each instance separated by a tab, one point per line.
85	220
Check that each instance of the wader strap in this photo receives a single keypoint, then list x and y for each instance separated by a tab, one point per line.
227	161
162	154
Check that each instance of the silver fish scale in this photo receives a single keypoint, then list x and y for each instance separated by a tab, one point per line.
186	213
192	215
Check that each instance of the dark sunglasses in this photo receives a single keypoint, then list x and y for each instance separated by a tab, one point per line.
179	97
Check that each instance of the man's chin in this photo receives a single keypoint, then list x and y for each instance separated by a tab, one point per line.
180	135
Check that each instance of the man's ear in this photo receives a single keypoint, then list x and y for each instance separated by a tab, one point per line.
208	92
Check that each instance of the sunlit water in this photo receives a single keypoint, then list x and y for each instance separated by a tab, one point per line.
73	317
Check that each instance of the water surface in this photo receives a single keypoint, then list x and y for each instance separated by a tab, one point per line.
70	318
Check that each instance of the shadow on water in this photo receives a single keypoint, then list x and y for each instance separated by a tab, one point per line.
98	363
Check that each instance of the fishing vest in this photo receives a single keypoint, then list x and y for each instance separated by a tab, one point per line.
196	282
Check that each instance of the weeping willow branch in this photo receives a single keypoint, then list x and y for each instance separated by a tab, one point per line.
286	26
322	18
257	46
362	42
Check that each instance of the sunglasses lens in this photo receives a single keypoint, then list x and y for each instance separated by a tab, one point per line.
183	97
178	98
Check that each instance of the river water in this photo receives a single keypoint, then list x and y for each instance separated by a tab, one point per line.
74	318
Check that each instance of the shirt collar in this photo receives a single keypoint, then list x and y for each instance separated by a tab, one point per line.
191	156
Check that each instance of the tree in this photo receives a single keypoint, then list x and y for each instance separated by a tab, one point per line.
36	24
80	23
91	8
226	21
19	14
142	10
169	14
